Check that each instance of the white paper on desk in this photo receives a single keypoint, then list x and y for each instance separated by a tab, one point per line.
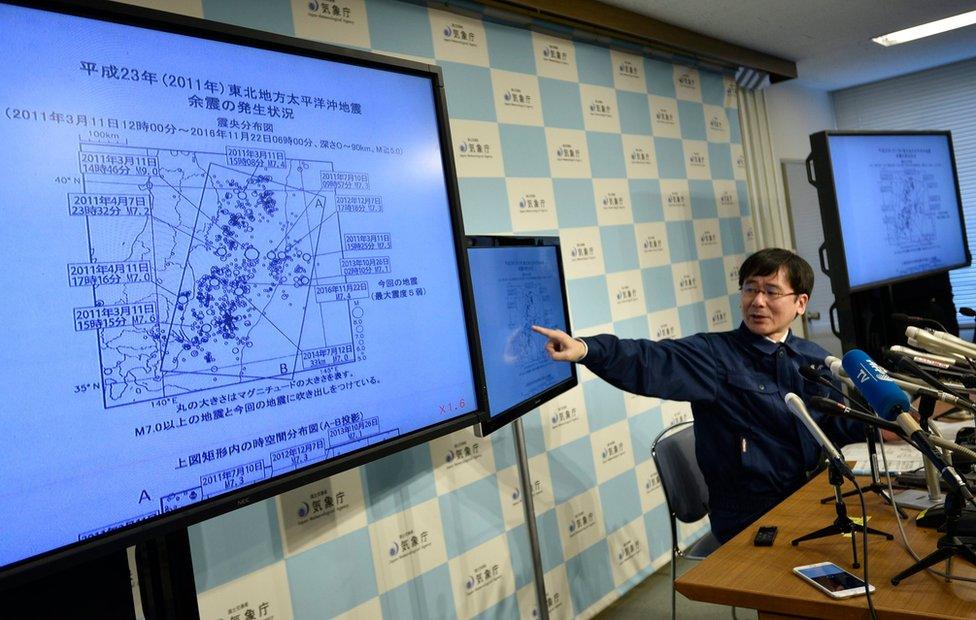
901	458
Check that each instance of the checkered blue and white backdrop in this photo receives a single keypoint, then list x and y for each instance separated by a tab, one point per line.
637	164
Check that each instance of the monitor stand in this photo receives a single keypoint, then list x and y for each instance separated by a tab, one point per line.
166	577
97	588
103	587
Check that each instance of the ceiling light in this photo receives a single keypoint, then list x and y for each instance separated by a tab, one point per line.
927	30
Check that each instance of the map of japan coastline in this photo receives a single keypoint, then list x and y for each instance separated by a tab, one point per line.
219	274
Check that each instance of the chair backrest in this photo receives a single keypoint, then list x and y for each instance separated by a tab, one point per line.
673	451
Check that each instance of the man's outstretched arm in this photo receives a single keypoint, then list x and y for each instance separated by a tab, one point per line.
682	369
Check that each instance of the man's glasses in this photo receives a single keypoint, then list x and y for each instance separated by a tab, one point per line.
772	293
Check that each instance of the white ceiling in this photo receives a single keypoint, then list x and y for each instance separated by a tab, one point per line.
829	40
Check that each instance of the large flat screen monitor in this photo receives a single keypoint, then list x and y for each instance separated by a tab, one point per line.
234	264
518	282
893	202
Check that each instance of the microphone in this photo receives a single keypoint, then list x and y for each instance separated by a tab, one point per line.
940	342
920	440
884	396
795	404
834	408
921	366
810	374
952	446
891	403
920	390
834	365
942	362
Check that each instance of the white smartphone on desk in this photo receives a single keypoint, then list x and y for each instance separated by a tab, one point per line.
832	580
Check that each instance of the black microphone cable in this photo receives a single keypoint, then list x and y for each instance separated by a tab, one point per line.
901	526
898	519
864	547
891	494
810	374
909	319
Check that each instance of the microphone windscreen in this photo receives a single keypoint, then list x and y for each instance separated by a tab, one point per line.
884	396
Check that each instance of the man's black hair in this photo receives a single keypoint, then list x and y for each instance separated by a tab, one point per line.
768	262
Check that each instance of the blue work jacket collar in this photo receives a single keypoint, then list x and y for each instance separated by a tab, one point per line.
764	344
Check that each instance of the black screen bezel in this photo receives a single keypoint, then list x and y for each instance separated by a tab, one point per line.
494	422
55	560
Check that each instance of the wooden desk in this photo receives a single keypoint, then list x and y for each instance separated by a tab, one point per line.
762	578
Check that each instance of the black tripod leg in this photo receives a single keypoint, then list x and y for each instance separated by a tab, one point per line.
821	533
833	498
931	559
968	554
887	498
871	530
879	490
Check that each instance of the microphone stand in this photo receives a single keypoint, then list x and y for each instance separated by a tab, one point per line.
876	486
949	546
933	496
843	523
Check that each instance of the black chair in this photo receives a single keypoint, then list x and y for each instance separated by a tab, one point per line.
673	451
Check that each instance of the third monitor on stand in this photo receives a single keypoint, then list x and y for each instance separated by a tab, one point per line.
893	226
518	282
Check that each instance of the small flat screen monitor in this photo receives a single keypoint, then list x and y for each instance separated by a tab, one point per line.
898	205
518	282
233	264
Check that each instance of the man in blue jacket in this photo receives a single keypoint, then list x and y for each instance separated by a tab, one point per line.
752	451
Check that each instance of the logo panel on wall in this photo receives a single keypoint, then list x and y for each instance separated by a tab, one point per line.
568	154
626	290
262	595
340	22
407	543
517	99
612	454
696	160
564	419
628	72
458	38
687	282
628	551
482	577
477	149
580	522
531	204
460	459
687	84
554	57
582	252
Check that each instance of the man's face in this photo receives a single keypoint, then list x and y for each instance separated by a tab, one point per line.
766	310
